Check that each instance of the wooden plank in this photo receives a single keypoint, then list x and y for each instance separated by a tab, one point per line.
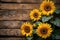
21	1
58	6
28	1
10	32
10	24
14	14
12	38
57	1
19	6
14	33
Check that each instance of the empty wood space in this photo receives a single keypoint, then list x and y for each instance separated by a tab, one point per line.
11	24
12	38
10	32
27	1
19	6
14	14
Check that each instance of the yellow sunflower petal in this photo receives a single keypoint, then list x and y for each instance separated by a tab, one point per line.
44	30
35	14
47	7
34	25
26	29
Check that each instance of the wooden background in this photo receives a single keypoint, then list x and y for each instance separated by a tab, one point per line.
15	12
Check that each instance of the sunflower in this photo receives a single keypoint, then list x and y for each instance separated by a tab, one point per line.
26	29
44	30
35	14
47	7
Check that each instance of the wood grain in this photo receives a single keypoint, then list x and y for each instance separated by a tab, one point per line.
56	1
14	34
12	38
21	1
14	14
28	1
10	32
22	6
19	6
10	24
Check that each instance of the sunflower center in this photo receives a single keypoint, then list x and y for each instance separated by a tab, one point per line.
47	8
43	31
27	29
35	15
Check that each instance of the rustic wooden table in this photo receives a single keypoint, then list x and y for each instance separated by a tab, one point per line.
15	12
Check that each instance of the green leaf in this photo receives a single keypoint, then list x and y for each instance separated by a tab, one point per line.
57	34
34	31
39	38
32	21
57	11
29	38
38	22
53	36
57	37
56	22
46	18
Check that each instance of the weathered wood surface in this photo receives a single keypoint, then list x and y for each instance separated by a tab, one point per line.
23	1
21	6
14	38
11	24
28	1
14	14
18	38
10	32
14	33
